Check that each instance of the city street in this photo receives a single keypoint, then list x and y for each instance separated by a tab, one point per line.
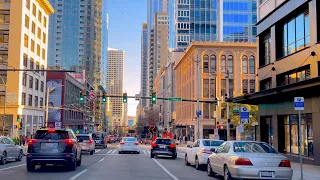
109	164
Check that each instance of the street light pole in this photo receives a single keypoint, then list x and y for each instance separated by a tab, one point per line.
228	107
198	96
47	107
4	105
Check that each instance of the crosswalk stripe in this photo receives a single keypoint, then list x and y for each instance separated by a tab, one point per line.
144	151
114	151
97	150
148	152
109	152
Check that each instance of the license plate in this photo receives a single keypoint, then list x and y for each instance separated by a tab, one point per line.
49	145
98	141
163	146
266	174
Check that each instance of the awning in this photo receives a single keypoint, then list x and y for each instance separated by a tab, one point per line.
306	88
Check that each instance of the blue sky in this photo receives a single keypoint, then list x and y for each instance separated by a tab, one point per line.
125	23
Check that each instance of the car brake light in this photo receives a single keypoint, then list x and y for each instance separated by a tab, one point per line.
243	162
154	144
122	143
285	163
69	141
51	130
172	146
31	141
136	143
206	151
90	141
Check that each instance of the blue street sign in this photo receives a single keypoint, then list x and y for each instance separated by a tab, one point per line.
299	103
244	114
199	113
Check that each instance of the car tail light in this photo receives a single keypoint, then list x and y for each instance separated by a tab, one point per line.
154	144
172	146
69	141
68	155
121	142
51	130
206	151
243	162
29	155
136	143
285	163
31	141
90	141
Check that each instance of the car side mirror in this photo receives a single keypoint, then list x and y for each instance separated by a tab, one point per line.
80	140
189	146
213	150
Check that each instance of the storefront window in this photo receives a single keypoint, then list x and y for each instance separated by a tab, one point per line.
292	134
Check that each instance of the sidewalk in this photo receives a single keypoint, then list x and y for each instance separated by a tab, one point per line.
310	172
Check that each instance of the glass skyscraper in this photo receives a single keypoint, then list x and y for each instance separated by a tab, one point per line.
104	46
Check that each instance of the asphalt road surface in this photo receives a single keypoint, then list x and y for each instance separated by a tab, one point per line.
109	164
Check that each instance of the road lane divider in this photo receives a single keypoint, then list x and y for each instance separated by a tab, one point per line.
165	170
114	151
144	151
79	174
109	151
101	160
12	167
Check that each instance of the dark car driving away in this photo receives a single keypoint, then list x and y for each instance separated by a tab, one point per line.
54	146
163	146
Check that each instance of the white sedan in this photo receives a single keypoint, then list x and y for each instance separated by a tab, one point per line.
248	160
199	152
9	151
129	144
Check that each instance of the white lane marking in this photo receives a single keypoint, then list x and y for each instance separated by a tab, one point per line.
98	150
79	174
114	151
144	151
101	159
148	152
165	170
12	167
109	151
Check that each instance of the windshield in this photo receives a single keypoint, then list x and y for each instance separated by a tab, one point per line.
253	147
83	137
211	143
129	139
52	135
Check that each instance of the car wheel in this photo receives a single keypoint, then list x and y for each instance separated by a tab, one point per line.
30	166
227	175
186	162
91	152
79	161
174	156
120	152
3	158
138	152
20	156
209	169
151	155
198	166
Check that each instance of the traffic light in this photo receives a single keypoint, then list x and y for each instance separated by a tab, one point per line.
81	96
124	98
104	99
153	98
20	127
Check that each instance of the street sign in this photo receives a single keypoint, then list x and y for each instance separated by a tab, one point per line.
175	99
244	115
299	103
199	113
57	124
236	111
137	97
20	131
77	131
92	95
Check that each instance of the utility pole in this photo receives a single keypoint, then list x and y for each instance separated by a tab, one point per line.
47	107
228	106
4	106
198	95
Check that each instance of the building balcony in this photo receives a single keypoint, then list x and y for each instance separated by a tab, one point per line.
4	26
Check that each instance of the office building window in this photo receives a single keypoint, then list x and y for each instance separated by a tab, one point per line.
223	64
265	84
230	64
42	72
43	54
26	41
38	49
30	82
267	50
36	101
24	79
45	22
4	18
206	111
296	34
212	63
245	64
41	102
293	77
37	84
205	63
245	86
39	33
42	86
23	99
32	45
28	4
31	63
206	88
30	100
25	60
26	21
212	88
39	16
231	87
291	132
34	10
4	38
223	87
252	64
44	37
252	85
33	28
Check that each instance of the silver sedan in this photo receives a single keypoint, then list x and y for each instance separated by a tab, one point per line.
9	151
248	160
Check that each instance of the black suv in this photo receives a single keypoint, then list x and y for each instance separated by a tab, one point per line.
163	146
54	146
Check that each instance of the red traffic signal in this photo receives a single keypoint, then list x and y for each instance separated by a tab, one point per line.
220	127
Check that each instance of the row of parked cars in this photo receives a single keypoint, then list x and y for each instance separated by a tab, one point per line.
238	159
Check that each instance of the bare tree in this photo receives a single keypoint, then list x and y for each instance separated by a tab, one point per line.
150	118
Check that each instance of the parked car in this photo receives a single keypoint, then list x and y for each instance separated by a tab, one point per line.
9	151
87	143
199	152
54	146
248	160
112	138
129	144
100	139
163	146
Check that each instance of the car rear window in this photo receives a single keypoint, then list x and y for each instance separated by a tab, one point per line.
253	147
129	139
83	137
97	136
164	141
211	143
53	135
